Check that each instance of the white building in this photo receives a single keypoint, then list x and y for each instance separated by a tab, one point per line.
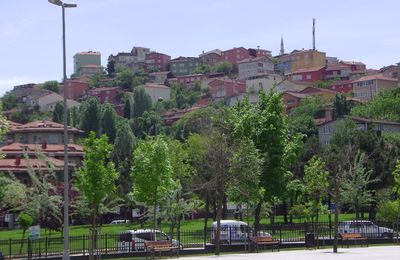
253	67
157	92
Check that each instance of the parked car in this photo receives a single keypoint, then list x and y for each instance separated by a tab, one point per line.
366	228
233	232
119	221
133	240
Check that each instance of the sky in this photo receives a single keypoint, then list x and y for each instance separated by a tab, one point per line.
31	32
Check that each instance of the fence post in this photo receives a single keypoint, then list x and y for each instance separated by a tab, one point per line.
280	233
83	244
230	235
45	246
9	249
106	244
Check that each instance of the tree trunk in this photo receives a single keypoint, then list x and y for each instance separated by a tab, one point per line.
224	208
22	241
155	221
336	199
218	234
214	210
207	214
285	212
93	235
257	216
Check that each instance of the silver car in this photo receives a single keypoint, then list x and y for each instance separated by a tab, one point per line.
133	240
366	228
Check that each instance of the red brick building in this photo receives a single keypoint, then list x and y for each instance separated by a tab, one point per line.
158	61
308	75
189	80
342	86
235	55
76	88
106	94
221	88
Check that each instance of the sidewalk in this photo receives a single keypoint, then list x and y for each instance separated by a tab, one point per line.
352	253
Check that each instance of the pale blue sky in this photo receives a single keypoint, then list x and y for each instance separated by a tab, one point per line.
30	30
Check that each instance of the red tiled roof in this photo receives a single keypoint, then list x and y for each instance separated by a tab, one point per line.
253	59
104	89
308	69
43	126
154	85
296	94
375	77
314	89
336	67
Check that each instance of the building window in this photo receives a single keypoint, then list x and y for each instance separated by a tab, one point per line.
296	77
308	76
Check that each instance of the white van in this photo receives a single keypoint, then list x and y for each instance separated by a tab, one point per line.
232	231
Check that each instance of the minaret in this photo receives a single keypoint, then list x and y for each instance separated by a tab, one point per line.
282	48
313	34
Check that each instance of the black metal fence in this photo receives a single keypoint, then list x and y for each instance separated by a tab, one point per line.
111	243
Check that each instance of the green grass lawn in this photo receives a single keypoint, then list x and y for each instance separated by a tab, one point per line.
186	225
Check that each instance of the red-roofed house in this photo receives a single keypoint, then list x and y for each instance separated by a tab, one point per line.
365	88
38	132
354	65
235	55
292	100
309	74
221	89
326	94
337	71
211	57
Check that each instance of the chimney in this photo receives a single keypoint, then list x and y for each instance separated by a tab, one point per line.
44	145
18	160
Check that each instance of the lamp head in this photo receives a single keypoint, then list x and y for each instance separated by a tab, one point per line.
56	2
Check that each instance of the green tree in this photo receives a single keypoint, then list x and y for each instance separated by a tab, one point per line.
265	124
96	179
127	109
74	116
202	69
341	106
246	168
125	79
95	80
148	124
396	191
224	67
51	85
24	221
9	101
384	106
90	111
141	102
355	185
316	185
58	113
111	68
109	122
124	145
151	173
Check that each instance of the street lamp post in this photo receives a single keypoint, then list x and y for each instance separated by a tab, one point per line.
65	122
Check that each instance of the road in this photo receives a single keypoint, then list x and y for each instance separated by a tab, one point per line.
352	253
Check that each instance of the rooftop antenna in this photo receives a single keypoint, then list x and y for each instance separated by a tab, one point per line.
313	33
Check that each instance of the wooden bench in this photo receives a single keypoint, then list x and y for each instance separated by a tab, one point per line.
266	241
160	246
356	237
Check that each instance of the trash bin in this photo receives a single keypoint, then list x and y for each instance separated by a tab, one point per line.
310	240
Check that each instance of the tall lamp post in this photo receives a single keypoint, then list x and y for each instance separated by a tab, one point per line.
65	121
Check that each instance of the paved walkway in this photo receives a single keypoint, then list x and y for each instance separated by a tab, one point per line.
352	253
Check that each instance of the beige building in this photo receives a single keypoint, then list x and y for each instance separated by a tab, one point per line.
265	82
365	88
307	59
157	92
47	102
253	67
